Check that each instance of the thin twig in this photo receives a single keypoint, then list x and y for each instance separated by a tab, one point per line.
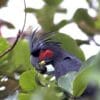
9	49
17	38
97	44
92	38
24	17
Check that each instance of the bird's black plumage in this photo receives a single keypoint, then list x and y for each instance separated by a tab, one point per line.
62	61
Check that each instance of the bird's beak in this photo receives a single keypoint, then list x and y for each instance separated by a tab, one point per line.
49	68
41	63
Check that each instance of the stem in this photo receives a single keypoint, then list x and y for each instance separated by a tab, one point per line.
92	38
18	36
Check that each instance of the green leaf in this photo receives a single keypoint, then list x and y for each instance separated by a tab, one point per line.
84	21
66	82
27	81
89	73
5	64
42	93
97	23
60	24
69	45
94	74
45	15
53	2
51	94
46	94
21	56
3	45
46	21
87	62
82	15
23	96
17	60
79	85
8	24
41	80
30	10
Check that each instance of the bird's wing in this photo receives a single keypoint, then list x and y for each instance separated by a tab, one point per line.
66	63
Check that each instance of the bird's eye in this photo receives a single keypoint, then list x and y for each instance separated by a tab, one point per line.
67	58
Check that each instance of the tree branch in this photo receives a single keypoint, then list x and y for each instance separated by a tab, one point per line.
18	36
92	38
9	49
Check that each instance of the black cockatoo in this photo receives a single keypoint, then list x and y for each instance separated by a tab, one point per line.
48	57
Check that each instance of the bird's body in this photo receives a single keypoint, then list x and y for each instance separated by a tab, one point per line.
44	49
48	57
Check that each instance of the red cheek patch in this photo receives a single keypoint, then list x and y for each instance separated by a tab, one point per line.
45	54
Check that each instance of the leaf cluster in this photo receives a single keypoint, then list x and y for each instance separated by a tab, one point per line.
17	73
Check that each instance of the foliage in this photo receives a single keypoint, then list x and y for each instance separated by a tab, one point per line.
90	73
69	45
17	73
27	80
3	3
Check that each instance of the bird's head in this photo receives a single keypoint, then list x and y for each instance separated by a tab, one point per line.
48	57
42	47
